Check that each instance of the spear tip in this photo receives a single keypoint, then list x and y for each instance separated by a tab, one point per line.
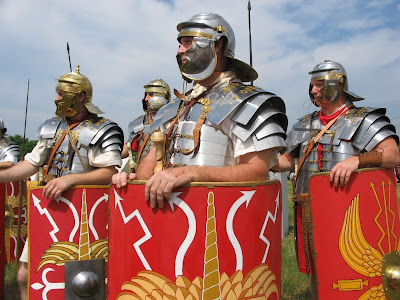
249	6
67	46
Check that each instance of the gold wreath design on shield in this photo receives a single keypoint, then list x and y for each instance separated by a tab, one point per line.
11	230
361	256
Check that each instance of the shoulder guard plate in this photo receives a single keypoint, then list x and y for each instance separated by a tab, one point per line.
9	148
49	128
136	125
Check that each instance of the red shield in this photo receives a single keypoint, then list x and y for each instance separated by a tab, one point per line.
354	227
15	196
2	248
60	231
210	241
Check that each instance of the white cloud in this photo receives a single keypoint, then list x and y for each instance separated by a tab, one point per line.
122	45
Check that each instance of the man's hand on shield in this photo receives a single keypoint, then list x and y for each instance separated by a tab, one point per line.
160	185
121	179
54	188
341	172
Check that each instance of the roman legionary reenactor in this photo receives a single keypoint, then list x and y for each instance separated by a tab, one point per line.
9	152
339	138
222	132
156	94
76	147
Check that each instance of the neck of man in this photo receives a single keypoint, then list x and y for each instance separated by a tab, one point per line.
81	115
209	80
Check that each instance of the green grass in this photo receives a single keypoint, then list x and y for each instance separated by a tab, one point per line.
295	285
11	289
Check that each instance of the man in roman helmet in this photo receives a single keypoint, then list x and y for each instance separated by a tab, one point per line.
76	147
9	151
351	138
221	130
156	94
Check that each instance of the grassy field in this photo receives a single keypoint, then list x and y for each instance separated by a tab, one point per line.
295	285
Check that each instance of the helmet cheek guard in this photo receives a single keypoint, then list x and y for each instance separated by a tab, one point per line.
200	59
68	105
330	91
156	102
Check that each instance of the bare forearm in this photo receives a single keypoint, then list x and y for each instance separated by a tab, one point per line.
252	167
286	163
6	165
226	174
19	171
145	168
98	176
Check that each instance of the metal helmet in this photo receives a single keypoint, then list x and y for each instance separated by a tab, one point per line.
72	84
333	73
201	57
161	95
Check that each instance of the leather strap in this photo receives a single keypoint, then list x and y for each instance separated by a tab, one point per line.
56	146
146	138
312	144
71	140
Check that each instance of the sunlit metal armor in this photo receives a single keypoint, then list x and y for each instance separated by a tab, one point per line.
138	129
359	130
141	126
98	132
9	151
258	115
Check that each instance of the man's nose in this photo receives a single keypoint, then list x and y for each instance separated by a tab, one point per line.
181	49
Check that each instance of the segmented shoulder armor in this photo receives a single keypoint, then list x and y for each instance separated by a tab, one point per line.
9	151
98	132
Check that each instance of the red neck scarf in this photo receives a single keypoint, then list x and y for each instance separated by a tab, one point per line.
325	120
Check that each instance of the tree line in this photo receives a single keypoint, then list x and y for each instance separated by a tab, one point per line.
26	146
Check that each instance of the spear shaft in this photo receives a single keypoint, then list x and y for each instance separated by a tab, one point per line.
251	49
21	182
26	114
69	58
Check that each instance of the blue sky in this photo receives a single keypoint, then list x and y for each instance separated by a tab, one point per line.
122	45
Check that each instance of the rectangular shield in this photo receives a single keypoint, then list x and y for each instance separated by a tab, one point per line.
2	244
353	228
71	228
15	235
210	241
